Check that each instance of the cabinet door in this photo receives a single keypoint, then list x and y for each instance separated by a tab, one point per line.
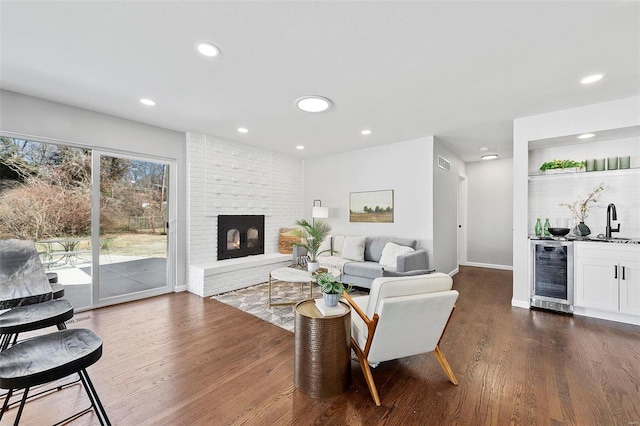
630	288
596	285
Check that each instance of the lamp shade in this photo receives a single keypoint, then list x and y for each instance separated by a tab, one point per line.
320	212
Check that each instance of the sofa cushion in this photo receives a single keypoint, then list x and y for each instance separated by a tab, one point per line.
374	246
353	248
325	246
386	273
391	252
337	244
363	269
333	262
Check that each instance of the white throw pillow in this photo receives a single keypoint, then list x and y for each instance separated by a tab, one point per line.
325	245
390	254
338	243
353	248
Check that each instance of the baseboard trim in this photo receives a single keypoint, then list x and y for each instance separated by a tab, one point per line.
520	304
488	265
180	288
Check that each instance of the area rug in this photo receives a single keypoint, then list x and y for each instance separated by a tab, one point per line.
253	300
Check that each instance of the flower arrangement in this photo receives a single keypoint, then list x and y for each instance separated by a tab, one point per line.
580	207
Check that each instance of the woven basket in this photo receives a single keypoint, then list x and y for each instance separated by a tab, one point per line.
286	240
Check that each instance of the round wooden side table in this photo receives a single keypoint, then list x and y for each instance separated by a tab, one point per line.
322	357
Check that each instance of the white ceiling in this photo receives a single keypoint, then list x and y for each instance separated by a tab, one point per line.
461	71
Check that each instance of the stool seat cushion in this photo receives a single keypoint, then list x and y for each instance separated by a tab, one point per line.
48	357
36	316
57	291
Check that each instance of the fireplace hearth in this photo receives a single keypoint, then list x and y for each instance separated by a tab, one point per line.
240	236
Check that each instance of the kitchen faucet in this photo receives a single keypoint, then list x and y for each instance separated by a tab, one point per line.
611	215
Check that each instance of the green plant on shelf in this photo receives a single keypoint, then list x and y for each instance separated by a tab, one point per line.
563	164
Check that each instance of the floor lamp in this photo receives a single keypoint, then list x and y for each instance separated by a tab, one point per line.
318	211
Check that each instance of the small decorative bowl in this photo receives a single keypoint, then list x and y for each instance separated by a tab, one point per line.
559	232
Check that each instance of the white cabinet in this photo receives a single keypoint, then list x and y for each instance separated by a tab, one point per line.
607	277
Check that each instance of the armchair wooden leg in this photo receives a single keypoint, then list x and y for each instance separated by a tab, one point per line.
366	370
445	365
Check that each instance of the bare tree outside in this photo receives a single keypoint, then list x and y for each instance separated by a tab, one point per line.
45	192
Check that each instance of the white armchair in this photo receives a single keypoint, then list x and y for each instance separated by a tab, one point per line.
401	317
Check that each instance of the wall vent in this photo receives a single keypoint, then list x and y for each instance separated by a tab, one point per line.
443	163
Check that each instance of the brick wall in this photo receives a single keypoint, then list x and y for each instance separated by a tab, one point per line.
230	178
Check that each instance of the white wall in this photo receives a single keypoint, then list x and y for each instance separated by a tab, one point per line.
592	118
445	209
406	167
547	192
230	178
37	119
490	218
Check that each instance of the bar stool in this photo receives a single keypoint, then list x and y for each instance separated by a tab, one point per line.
50	357
33	317
58	289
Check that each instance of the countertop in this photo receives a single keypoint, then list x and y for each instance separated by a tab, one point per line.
613	240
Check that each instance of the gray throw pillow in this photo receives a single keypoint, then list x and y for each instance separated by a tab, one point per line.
406	274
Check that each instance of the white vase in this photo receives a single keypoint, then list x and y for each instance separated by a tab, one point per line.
312	266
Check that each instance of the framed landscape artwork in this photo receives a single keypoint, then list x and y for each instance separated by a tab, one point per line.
371	206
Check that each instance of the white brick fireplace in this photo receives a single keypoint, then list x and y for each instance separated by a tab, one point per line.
226	178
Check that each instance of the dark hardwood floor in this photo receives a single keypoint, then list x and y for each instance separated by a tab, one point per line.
182	360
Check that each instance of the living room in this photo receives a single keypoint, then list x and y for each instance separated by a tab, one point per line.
451	119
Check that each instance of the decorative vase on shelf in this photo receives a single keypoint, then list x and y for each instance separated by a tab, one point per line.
581	230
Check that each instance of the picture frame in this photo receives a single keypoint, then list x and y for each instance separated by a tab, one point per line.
371	206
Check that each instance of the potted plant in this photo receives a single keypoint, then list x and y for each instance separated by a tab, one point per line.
312	235
562	166
579	209
331	288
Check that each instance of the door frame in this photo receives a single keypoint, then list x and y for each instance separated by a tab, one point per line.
95	230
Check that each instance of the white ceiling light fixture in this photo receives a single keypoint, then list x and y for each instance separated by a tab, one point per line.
208	49
313	103
592	78
148	102
484	148
243	130
300	147
586	136
366	132
489	156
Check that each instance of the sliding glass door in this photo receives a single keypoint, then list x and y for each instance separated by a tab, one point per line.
98	219
131	214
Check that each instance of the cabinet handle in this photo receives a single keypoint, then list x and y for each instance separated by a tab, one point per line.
615	274
623	272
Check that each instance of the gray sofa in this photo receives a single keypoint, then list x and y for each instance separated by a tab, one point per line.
361	274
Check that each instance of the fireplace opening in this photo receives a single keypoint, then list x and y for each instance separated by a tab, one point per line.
240	236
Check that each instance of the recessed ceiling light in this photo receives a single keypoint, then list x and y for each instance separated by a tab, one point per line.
489	156
208	49
366	132
243	130
313	103
300	147
592	78
586	136
484	148
148	102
